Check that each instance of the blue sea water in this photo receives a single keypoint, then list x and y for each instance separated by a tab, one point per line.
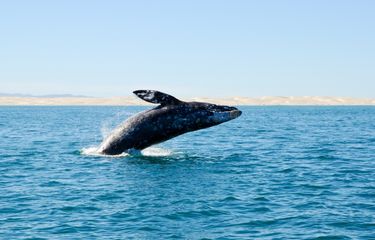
273	173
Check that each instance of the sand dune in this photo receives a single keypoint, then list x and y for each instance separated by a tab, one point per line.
125	101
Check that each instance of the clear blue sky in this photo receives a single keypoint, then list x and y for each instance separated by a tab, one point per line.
188	48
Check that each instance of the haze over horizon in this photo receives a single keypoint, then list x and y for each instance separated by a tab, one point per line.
188	49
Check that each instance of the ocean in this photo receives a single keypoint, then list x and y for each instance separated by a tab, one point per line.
274	173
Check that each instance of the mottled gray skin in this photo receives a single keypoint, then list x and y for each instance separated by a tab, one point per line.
170	119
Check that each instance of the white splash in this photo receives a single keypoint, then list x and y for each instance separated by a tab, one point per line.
93	151
148	152
109	124
156	152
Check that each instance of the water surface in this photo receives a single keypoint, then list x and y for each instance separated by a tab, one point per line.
273	173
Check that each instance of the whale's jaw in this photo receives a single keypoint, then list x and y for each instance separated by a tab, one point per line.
225	116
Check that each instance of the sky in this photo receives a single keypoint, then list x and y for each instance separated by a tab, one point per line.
188	48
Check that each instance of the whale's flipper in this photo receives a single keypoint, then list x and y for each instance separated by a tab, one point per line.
153	96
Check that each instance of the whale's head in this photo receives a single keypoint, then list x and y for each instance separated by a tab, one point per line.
208	114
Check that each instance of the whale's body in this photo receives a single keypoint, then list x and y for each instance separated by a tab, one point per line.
170	119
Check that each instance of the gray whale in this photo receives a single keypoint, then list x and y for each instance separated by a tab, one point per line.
172	117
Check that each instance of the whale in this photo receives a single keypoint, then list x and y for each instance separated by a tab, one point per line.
170	118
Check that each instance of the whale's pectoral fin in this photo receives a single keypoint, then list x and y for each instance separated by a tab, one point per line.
153	96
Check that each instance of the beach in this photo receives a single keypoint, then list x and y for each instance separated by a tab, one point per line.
134	101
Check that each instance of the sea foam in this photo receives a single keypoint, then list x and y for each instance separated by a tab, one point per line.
148	152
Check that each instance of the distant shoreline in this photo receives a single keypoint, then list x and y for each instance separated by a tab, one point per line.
133	101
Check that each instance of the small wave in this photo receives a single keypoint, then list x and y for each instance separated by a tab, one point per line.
148	152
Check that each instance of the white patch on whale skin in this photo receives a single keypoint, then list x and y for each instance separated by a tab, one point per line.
149	96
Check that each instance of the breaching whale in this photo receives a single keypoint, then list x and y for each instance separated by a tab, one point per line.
172	117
